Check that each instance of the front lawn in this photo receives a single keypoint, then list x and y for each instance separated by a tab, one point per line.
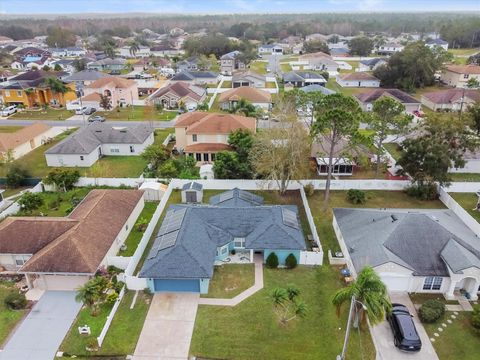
58	204
138	113
468	177
459	340
8	318
469	202
375	199
229	280
251	330
48	114
136	235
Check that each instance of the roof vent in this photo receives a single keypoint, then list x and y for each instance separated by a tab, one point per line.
98	131
434	218
394	218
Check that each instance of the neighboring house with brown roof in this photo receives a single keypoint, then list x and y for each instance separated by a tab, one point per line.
451	99
203	134
171	95
19	143
458	75
122	92
358	79
259	98
366	99
64	253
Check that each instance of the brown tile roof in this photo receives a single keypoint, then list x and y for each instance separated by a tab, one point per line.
370	96
77	243
452	95
9	141
361	75
315	55
246	92
464	69
214	123
207	147
116	81
180	89
92	97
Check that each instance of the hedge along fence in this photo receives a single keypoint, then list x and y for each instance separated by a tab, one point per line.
110	317
24	182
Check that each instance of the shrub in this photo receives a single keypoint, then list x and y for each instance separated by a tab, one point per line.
291	261
272	261
423	192
309	189
16	301
15	176
356	196
475	319
431	311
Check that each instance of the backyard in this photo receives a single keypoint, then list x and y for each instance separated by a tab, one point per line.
251	330
394	149
48	114
138	113
8	318
260	67
469	202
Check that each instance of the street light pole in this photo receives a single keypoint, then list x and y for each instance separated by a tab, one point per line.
347	332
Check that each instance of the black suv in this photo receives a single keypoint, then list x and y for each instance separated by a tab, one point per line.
405	335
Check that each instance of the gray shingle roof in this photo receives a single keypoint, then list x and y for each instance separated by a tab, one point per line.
86	75
425	241
316	87
302	76
192	185
206	227
236	198
191	75
87	139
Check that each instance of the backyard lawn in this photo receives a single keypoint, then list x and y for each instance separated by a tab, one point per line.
251	330
394	149
229	280
8	318
459	340
136	235
48	114
466	52
469	202
139	113
260	67
226	85
115	167
332	85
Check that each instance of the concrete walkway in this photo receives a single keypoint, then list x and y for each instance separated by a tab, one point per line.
168	327
258	260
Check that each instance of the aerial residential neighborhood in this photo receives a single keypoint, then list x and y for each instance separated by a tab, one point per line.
240	180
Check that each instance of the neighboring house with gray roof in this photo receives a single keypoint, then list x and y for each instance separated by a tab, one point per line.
196	77
303	78
413	250
84	147
193	238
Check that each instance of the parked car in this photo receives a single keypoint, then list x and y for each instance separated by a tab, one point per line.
9	110
405	336
419	113
87	110
96	118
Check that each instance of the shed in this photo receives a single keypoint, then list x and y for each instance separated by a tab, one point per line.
153	191
192	192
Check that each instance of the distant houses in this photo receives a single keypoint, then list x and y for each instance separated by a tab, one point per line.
196	77
459	75
366	99
358	79
303	78
451	99
231	62
259	98
175	94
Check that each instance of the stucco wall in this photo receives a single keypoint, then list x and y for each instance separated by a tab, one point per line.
59	160
361	83
282	255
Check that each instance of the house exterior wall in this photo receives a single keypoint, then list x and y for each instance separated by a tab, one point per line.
72	160
127	96
8	261
204	284
282	255
359	83
37	141
456	79
455	106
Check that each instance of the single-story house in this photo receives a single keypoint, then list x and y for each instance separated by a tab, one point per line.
316	87
451	99
62	253
458	75
433	43
84	147
389	48
321	62
303	78
248	78
107	64
270	49
193	238
196	77
413	250
173	94
19	143
190	64
358	79
371	64
259	98
366	99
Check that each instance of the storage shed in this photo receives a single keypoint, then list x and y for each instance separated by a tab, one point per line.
153	191
192	192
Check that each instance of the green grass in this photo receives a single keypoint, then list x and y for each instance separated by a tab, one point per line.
9	129
468	177
229	280
58	204
270	85
9	192
459	340
375	199
8	318
226	85
468	52
135	235
260	67
285	67
115	167
251	330
138	113
394	149
332	85
49	114
469	202
420	298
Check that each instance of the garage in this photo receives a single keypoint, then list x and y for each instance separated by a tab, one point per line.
176	285
60	282
395	282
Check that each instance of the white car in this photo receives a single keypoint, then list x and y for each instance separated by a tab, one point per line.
9	110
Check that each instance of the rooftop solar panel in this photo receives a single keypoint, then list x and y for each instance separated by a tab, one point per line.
290	218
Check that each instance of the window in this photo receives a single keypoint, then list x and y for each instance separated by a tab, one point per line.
20	260
7	92
212	157
224	249
239	242
194	138
19	93
114	150
81	158
126	227
466	76
132	149
198	157
205	157
432	283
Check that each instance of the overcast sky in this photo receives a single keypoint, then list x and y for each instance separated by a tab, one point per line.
230	6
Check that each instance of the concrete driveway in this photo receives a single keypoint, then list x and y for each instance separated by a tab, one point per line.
383	336
44	328
168	327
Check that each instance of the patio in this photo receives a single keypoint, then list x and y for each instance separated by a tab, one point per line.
240	257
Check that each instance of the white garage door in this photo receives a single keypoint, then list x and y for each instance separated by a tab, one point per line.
61	283
396	283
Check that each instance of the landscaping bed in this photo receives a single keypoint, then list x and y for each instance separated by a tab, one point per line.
229	280
8	318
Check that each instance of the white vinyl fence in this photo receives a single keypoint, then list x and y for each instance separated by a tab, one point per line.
110	317
311	257
459	211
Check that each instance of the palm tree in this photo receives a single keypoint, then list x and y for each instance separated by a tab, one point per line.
134	47
244	107
286	304
369	290
91	293
57	87
29	92
109	50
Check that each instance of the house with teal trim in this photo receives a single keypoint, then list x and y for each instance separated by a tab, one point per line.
193	238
